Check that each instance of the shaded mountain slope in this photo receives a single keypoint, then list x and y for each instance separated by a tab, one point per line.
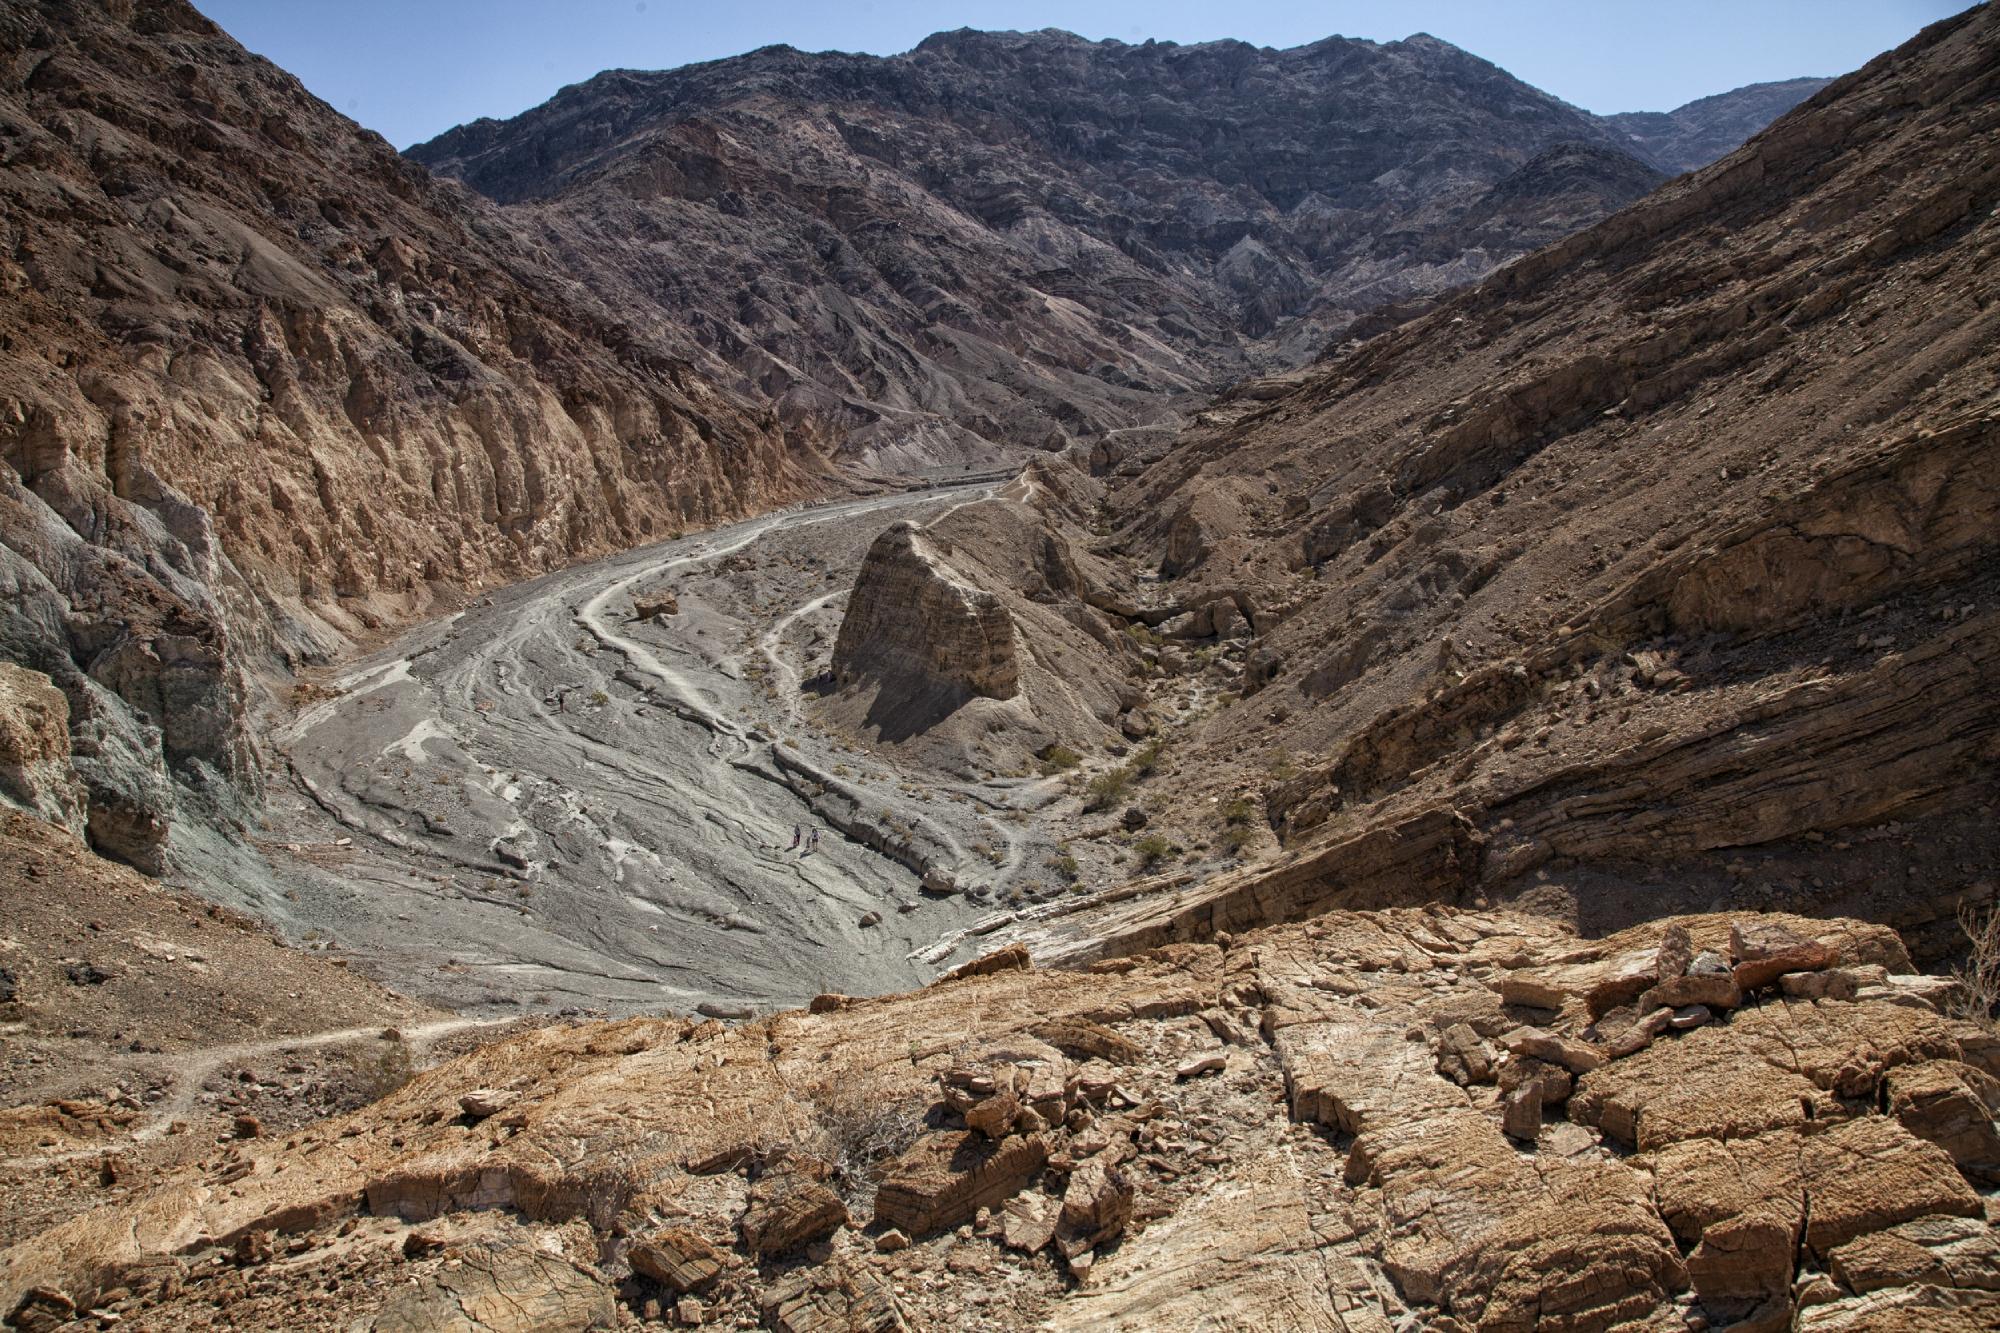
1696	134
1659	568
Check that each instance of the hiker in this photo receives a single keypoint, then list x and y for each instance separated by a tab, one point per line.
796	833
812	844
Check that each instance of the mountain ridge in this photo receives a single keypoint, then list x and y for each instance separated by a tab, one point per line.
1004	240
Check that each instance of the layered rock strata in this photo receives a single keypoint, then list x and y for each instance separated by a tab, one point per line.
1313	1124
990	634
1655	571
916	629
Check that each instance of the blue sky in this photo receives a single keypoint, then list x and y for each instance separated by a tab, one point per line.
411	69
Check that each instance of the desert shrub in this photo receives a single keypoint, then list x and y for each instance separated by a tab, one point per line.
1105	789
383	1068
1978	976
1058	758
1151	850
859	1132
1147	758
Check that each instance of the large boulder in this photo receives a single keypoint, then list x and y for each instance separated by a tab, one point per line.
919	630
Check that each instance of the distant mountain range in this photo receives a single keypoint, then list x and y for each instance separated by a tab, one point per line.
1698	133
1006	239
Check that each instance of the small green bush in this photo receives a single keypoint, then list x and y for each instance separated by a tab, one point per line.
1106	788
1147	759
1058	758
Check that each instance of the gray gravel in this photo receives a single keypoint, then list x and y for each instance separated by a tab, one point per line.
543	802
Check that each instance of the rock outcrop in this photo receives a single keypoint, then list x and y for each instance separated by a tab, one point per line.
927	639
992	633
35	772
265	385
1341	1163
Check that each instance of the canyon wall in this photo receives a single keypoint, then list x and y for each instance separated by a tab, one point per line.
1655	571
265	387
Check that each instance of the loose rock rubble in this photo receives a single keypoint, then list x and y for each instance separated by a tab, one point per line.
1461	1119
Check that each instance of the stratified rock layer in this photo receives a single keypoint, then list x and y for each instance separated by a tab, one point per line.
35	772
921	634
1342	1162
1658	570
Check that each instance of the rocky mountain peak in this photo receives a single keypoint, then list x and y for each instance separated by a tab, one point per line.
997	240
1696	134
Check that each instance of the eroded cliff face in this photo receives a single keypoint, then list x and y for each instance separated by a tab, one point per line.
264	386
1657	570
916	628
35	772
1438	1117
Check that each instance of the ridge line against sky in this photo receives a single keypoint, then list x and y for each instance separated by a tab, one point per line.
411	71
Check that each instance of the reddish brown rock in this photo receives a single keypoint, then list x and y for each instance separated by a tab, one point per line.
994	1116
1676	951
1700	1085
35	771
1745	1262
677	1259
1578	1057
1555	1082
1717	990
1096	1205
1521	1112
1013	957
502	1288
946	1178
787	1209
1029	1221
1806	956
1869	1174
1952	1105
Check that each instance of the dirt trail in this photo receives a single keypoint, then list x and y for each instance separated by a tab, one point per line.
186	1072
190	1069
